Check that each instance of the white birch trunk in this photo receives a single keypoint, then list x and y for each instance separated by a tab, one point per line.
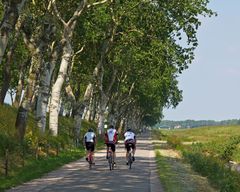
87	101
67	54
43	97
57	87
101	113
100	122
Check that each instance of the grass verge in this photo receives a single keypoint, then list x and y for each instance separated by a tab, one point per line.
37	168
177	176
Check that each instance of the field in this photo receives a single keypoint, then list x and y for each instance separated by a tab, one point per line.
213	152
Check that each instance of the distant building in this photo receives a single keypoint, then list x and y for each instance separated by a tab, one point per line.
177	126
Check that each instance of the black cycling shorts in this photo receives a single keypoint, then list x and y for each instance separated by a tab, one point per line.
130	144
90	146
112	145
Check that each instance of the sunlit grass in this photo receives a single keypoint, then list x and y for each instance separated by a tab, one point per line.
35	169
177	176
205	134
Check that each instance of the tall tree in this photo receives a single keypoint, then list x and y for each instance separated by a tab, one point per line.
12	9
67	34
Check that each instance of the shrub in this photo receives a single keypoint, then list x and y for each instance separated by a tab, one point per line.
220	176
174	141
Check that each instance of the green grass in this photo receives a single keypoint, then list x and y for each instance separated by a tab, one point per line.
209	154
205	134
215	138
35	169
177	176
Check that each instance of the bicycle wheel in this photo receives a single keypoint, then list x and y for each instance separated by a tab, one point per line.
90	161
110	160
130	160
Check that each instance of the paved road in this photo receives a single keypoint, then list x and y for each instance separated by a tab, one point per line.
76	176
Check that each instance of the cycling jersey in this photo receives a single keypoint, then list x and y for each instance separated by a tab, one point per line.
129	140
129	136
111	136
90	137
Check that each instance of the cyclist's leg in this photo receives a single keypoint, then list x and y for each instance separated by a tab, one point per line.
107	150
133	151
127	152
92	151
87	150
113	147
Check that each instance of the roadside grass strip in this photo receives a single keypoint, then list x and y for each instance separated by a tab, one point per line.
177	176
37	168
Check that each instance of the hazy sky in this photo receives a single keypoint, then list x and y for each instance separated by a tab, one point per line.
211	85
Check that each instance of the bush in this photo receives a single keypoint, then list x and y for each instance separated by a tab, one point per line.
229	148
220	176
174	141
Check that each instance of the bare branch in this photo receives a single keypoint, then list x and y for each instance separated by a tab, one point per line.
80	50
97	3
78	12
74	56
57	13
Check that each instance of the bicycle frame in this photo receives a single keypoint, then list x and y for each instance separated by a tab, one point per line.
110	159
90	160
130	158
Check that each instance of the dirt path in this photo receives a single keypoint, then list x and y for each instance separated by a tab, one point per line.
76	176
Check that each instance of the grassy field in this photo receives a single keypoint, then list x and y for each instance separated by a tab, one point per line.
209	151
204	134
215	138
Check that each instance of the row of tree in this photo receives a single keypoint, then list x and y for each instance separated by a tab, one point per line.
99	60
193	123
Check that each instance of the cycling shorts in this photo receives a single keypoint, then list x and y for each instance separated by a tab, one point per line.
90	146
112	145
130	144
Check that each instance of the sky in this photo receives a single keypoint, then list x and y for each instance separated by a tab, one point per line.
211	84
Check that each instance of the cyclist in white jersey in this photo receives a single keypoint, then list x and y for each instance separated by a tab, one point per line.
130	142
111	140
89	142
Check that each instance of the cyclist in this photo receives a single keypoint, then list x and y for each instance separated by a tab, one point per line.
130	142
89	143
111	138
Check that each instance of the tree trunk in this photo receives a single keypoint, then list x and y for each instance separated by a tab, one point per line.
21	122
66	57
29	92
20	85
10	17
57	87
43	97
7	66
101	119
78	122
87	97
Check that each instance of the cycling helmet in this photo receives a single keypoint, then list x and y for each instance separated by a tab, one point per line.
129	129
90	130
111	127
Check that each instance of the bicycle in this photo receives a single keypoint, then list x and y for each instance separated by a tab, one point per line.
130	158
110	159
90	160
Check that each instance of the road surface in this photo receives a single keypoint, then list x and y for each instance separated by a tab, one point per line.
76	176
